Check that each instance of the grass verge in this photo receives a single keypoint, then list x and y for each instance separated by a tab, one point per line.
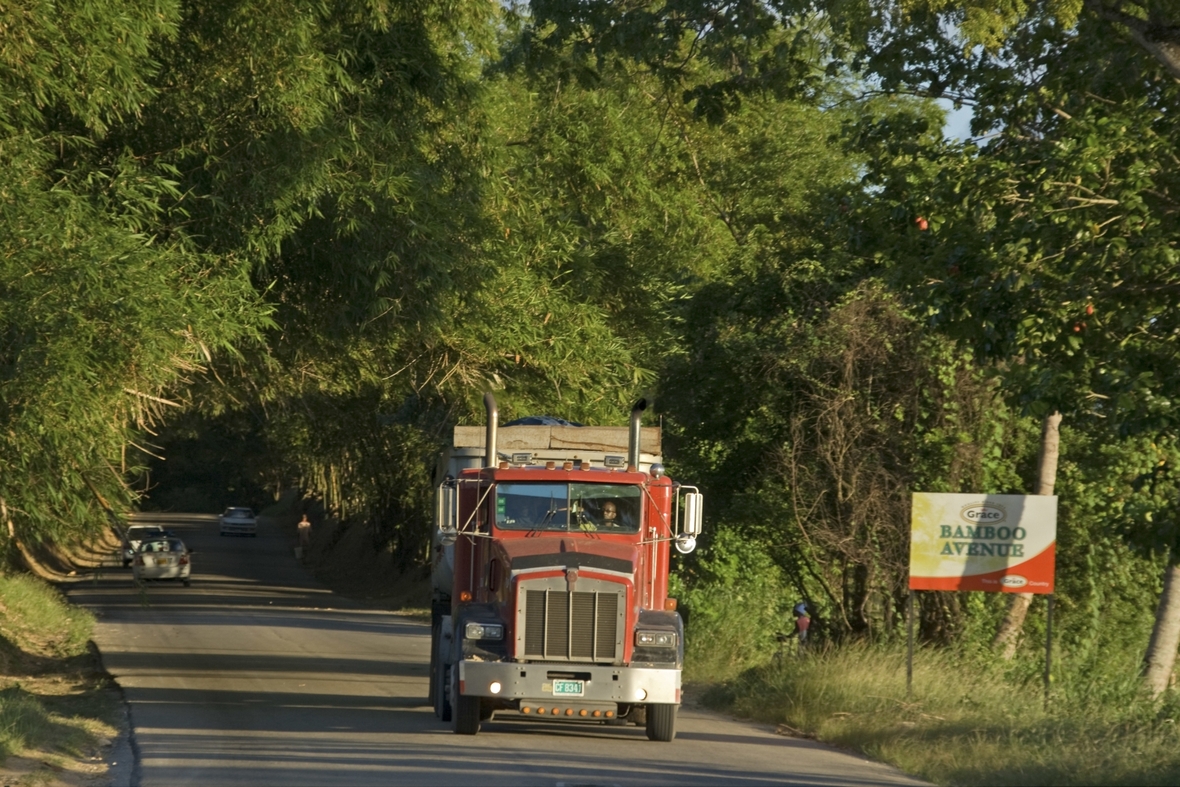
57	708
969	721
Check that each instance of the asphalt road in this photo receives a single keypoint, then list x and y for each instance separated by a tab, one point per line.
257	675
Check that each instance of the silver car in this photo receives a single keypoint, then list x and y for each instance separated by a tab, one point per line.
135	535
238	521
162	558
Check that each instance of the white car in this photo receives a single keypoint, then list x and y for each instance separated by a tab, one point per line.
162	558
135	535
238	522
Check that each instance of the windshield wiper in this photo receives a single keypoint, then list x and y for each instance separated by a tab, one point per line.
553	509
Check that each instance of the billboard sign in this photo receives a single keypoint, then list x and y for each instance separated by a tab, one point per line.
997	543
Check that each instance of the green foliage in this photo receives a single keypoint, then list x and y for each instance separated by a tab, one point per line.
825	423
713	54
169	155
602	206
734	599
102	315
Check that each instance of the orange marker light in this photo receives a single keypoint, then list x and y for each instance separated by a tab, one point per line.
670	605
465	595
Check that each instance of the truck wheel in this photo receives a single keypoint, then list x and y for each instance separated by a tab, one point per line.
465	710
432	692
442	703
661	722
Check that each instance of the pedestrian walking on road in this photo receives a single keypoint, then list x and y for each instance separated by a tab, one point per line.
304	532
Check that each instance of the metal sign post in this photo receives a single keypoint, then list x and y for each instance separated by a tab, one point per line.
1048	648
909	640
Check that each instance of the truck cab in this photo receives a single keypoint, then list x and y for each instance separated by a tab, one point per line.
551	577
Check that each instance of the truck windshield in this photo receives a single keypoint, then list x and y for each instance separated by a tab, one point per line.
608	508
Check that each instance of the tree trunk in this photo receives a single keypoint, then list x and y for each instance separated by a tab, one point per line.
1165	637
1008	634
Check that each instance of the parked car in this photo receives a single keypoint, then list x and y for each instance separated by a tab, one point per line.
134	535
162	558
238	522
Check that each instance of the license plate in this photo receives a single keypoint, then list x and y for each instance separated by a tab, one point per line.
569	688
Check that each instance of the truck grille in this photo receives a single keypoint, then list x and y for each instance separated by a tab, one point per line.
578	626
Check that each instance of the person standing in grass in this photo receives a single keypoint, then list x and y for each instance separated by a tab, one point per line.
802	624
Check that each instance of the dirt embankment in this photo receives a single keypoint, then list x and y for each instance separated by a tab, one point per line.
62	711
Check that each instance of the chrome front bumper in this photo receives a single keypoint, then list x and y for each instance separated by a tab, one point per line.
626	685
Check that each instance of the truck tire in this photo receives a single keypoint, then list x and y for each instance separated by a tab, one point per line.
442	702
464	710
432	691
661	722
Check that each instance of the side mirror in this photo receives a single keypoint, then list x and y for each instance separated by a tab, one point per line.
694	504
685	543
448	513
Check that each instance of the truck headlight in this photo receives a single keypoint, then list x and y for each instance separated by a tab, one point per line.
655	639
483	631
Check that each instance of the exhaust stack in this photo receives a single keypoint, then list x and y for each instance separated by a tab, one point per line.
635	432
491	458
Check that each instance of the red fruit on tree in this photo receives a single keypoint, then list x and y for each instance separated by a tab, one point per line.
922	224
1089	309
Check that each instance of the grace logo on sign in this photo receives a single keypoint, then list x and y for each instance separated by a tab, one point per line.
1003	543
982	540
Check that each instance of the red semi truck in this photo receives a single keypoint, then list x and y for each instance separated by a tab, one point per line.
550	573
